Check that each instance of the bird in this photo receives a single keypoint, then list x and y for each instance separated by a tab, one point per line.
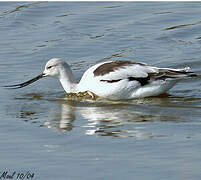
114	80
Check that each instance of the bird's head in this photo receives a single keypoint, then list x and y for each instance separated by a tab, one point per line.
54	67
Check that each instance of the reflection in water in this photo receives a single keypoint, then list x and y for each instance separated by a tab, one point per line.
64	120
108	119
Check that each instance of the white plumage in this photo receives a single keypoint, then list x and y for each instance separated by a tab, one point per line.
114	79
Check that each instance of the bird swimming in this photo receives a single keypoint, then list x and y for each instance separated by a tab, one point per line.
114	80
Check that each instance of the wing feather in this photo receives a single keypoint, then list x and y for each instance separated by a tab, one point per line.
115	71
131	70
104	79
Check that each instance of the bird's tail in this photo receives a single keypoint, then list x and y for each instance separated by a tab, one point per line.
177	73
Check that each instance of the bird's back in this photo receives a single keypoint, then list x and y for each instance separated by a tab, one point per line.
127	80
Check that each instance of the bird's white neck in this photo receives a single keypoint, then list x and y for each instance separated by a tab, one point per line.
67	80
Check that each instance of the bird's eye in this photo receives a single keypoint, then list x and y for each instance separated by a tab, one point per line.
49	67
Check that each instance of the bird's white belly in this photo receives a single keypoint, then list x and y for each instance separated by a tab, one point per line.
154	89
117	90
125	89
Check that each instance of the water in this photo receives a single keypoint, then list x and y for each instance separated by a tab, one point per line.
41	132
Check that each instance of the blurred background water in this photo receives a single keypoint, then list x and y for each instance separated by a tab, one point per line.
42	132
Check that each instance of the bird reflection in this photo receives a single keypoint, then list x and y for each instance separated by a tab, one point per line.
106	121
64	120
105	118
116	120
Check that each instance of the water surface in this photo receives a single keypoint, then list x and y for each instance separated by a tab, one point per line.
43	132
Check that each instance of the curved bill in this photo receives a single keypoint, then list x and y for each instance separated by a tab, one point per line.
16	86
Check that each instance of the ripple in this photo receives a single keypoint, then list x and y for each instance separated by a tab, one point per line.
182	26
19	8
64	15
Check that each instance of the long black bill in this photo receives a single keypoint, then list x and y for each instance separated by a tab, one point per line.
16	86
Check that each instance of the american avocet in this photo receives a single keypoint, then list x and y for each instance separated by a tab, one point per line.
114	79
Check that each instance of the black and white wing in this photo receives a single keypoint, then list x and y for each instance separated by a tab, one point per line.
116	71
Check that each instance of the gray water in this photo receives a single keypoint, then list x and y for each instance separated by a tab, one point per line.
43	133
